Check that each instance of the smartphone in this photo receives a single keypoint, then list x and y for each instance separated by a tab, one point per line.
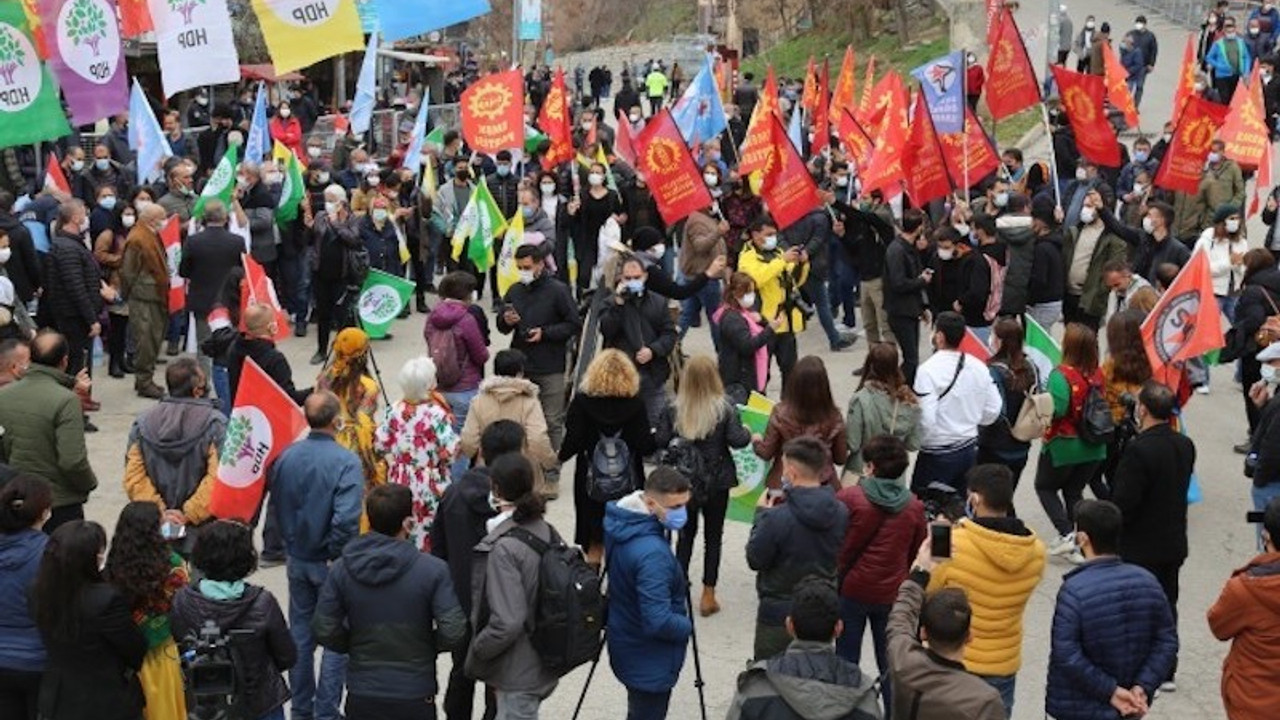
84	358
171	531
1254	516
940	540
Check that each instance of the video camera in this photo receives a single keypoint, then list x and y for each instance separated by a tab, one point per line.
942	500
209	670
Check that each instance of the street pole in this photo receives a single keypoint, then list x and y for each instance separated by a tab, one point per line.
515	32
1051	43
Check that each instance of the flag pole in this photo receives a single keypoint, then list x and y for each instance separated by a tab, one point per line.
1053	158
964	121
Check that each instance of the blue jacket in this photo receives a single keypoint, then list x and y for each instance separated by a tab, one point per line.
317	485
649	624
1221	66
1134	63
1112	627
20	644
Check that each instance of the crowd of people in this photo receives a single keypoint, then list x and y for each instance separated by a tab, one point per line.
417	527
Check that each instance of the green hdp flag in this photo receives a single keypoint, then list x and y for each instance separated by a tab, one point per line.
751	470
291	191
1041	349
381	300
481	221
531	139
30	111
436	136
221	184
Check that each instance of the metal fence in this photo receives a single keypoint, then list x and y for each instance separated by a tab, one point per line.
1190	13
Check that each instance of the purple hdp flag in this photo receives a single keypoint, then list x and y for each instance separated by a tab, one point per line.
86	55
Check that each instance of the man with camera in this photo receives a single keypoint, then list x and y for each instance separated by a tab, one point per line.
905	280
1248	614
778	274
638	323
1150	488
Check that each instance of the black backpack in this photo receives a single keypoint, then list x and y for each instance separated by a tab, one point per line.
682	455
568	627
1096	424
611	473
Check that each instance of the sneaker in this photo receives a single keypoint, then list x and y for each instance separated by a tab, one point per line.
841	344
318	358
1168	686
172	349
1202	390
299	329
1242	448
857	372
270	561
1064	545
844	329
89	427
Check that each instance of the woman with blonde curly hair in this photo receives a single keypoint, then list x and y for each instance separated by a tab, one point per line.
607	404
348	377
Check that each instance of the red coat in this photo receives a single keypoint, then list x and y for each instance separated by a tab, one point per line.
289	133
974	78
878	547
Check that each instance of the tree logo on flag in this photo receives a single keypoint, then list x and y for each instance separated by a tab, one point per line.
21	74
1079	105
84	24
1175	325
246	447
84	21
941	75
220	180
489	100
186	7
379	305
663	156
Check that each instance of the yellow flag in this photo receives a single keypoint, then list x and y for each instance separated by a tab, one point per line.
300	33
281	154
508	274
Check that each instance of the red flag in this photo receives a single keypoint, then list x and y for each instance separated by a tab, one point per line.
623	145
1186	76
1186	322
868	83
1183	163
926	171
54	178
1245	132
33	23
884	172
757	146
1263	180
889	89
135	18
493	112
670	171
809	98
822	116
788	188
843	95
1082	99
554	120
1011	80
995	8
259	290
982	159
1117	89
171	237
974	346
264	421
857	142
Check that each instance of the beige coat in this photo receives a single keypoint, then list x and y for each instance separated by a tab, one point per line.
516	399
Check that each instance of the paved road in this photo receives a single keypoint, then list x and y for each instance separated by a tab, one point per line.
1220	538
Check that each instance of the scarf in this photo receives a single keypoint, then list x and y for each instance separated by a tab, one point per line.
762	354
147	243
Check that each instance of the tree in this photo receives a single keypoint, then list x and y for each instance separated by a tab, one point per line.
11	56
87	23
186	7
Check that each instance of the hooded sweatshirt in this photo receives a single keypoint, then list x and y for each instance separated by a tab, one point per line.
460	525
472	351
795	539
807	681
1015	232
174	438
391	609
886	526
20	645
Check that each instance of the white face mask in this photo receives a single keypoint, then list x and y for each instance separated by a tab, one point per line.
5	254
770	242
285	112
1215	158
331	208
1148	225
1270	373
1088	215
657	251
548	189
275	178
842	181
1233	226
322	177
946	253
749	300
595	179
374	181
963	229
526	276
711	179
313	151
1138	188
128	220
1082	174
1001	199
77	165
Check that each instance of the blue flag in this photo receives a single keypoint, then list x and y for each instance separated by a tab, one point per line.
258	142
699	113
943	83
413	157
400	19
145	136
794	132
366	90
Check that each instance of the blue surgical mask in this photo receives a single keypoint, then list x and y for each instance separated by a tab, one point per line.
1140	156
968	508
504	170
635	287
102	163
107	202
526	211
675	518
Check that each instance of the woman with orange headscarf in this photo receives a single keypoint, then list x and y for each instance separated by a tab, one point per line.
347	376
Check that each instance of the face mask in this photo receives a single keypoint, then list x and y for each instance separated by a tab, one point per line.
711	179
1270	373
1088	215
1001	199
526	276
586	126
748	300
380	215
635	119
1233	226
5	254
494	502
1082	174
946	253
1140	156
963	229
1168	136
331	208
675	518
313	151
842	181
242	183
128	220
1254	31
973	60
595	179
635	287
102	163
548	189
1199	87
275	178
77	165
84	226
1266	77
1139	26
526	212
657	251
202	100
1148	225
285	112
322	177
108	202
1215	158
1088	25
504	170
374	181
770	242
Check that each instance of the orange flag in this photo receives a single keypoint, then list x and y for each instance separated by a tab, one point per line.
885	172
1082	99
1263	180
857	142
1011	80
1186	77
868	84
554	120
1245	130
493	112
809	98
1117	89
135	18
758	144
788	188
842	95
1183	163
981	160
889	87
926	170
822	114
1186	322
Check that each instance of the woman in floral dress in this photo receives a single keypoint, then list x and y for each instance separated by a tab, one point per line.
419	442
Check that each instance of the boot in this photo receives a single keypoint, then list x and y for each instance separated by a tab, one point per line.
126	364
173	348
115	368
150	390
708	606
422	308
550	489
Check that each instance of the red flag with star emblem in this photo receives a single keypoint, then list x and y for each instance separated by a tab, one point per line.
493	112
1082	98
670	171
857	142
1183	163
982	158
888	89
1011	80
554	120
788	188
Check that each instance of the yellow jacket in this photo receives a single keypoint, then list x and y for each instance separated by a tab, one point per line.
138	486
768	270
998	571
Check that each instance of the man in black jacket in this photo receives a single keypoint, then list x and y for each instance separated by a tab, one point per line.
541	317
1153	244
337	238
207	258
257	343
73	285
1048	273
981	279
23	267
904	283
1150	488
638	324
812	236
459	526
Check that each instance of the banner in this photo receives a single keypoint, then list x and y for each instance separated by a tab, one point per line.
1183	163
194	44
480	222
171	237
844	94
135	18
86	56
750	469
1244	131
493	112
264	421
884	172
1186	323
1082	99
857	142
788	188
926	171
942	86
146	138
1117	89
294	187
623	144
382	298
673	177
221	184
400	19
300	33
757	146
698	113
530	19
29	108
1186	77
822	116
555	120
979	156
1011	80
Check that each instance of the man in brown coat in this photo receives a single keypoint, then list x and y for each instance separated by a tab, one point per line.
144	280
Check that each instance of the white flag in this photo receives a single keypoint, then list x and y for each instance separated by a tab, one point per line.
366	90
145	136
195	44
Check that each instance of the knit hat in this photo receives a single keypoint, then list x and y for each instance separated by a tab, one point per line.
1042	207
1223	212
645	238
